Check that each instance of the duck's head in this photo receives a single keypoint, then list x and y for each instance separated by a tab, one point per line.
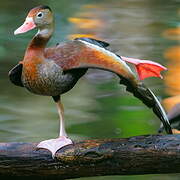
40	17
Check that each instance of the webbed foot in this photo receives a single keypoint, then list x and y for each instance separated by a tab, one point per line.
53	145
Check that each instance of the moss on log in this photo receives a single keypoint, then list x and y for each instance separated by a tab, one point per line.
151	154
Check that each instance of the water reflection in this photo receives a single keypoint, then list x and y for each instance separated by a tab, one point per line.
87	22
172	78
172	33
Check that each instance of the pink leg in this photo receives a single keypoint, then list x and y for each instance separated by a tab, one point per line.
55	144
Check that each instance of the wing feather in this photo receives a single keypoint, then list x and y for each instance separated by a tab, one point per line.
15	75
82	54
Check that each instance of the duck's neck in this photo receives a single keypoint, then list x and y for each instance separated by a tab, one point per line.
39	41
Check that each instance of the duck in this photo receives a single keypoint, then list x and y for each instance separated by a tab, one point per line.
53	71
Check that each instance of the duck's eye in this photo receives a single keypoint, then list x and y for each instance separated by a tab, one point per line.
40	14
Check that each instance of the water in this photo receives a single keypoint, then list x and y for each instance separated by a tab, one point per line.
97	107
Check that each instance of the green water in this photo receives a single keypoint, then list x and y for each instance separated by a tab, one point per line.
97	107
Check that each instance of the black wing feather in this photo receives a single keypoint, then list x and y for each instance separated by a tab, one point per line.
97	42
15	75
94	41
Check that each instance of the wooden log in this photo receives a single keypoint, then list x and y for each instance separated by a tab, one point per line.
151	154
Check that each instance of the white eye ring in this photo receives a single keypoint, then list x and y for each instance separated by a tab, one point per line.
40	15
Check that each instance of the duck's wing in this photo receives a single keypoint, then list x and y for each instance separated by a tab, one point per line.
82	53
144	68
88	54
15	75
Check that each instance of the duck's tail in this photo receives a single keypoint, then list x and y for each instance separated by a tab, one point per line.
143	93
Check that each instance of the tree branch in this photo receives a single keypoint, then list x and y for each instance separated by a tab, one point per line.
151	154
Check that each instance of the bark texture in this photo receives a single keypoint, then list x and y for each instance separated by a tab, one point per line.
150	154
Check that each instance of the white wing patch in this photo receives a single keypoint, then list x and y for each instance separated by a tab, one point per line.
109	53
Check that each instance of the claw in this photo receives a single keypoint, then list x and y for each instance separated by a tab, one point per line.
53	145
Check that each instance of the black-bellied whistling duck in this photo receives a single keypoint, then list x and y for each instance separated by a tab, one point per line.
54	71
